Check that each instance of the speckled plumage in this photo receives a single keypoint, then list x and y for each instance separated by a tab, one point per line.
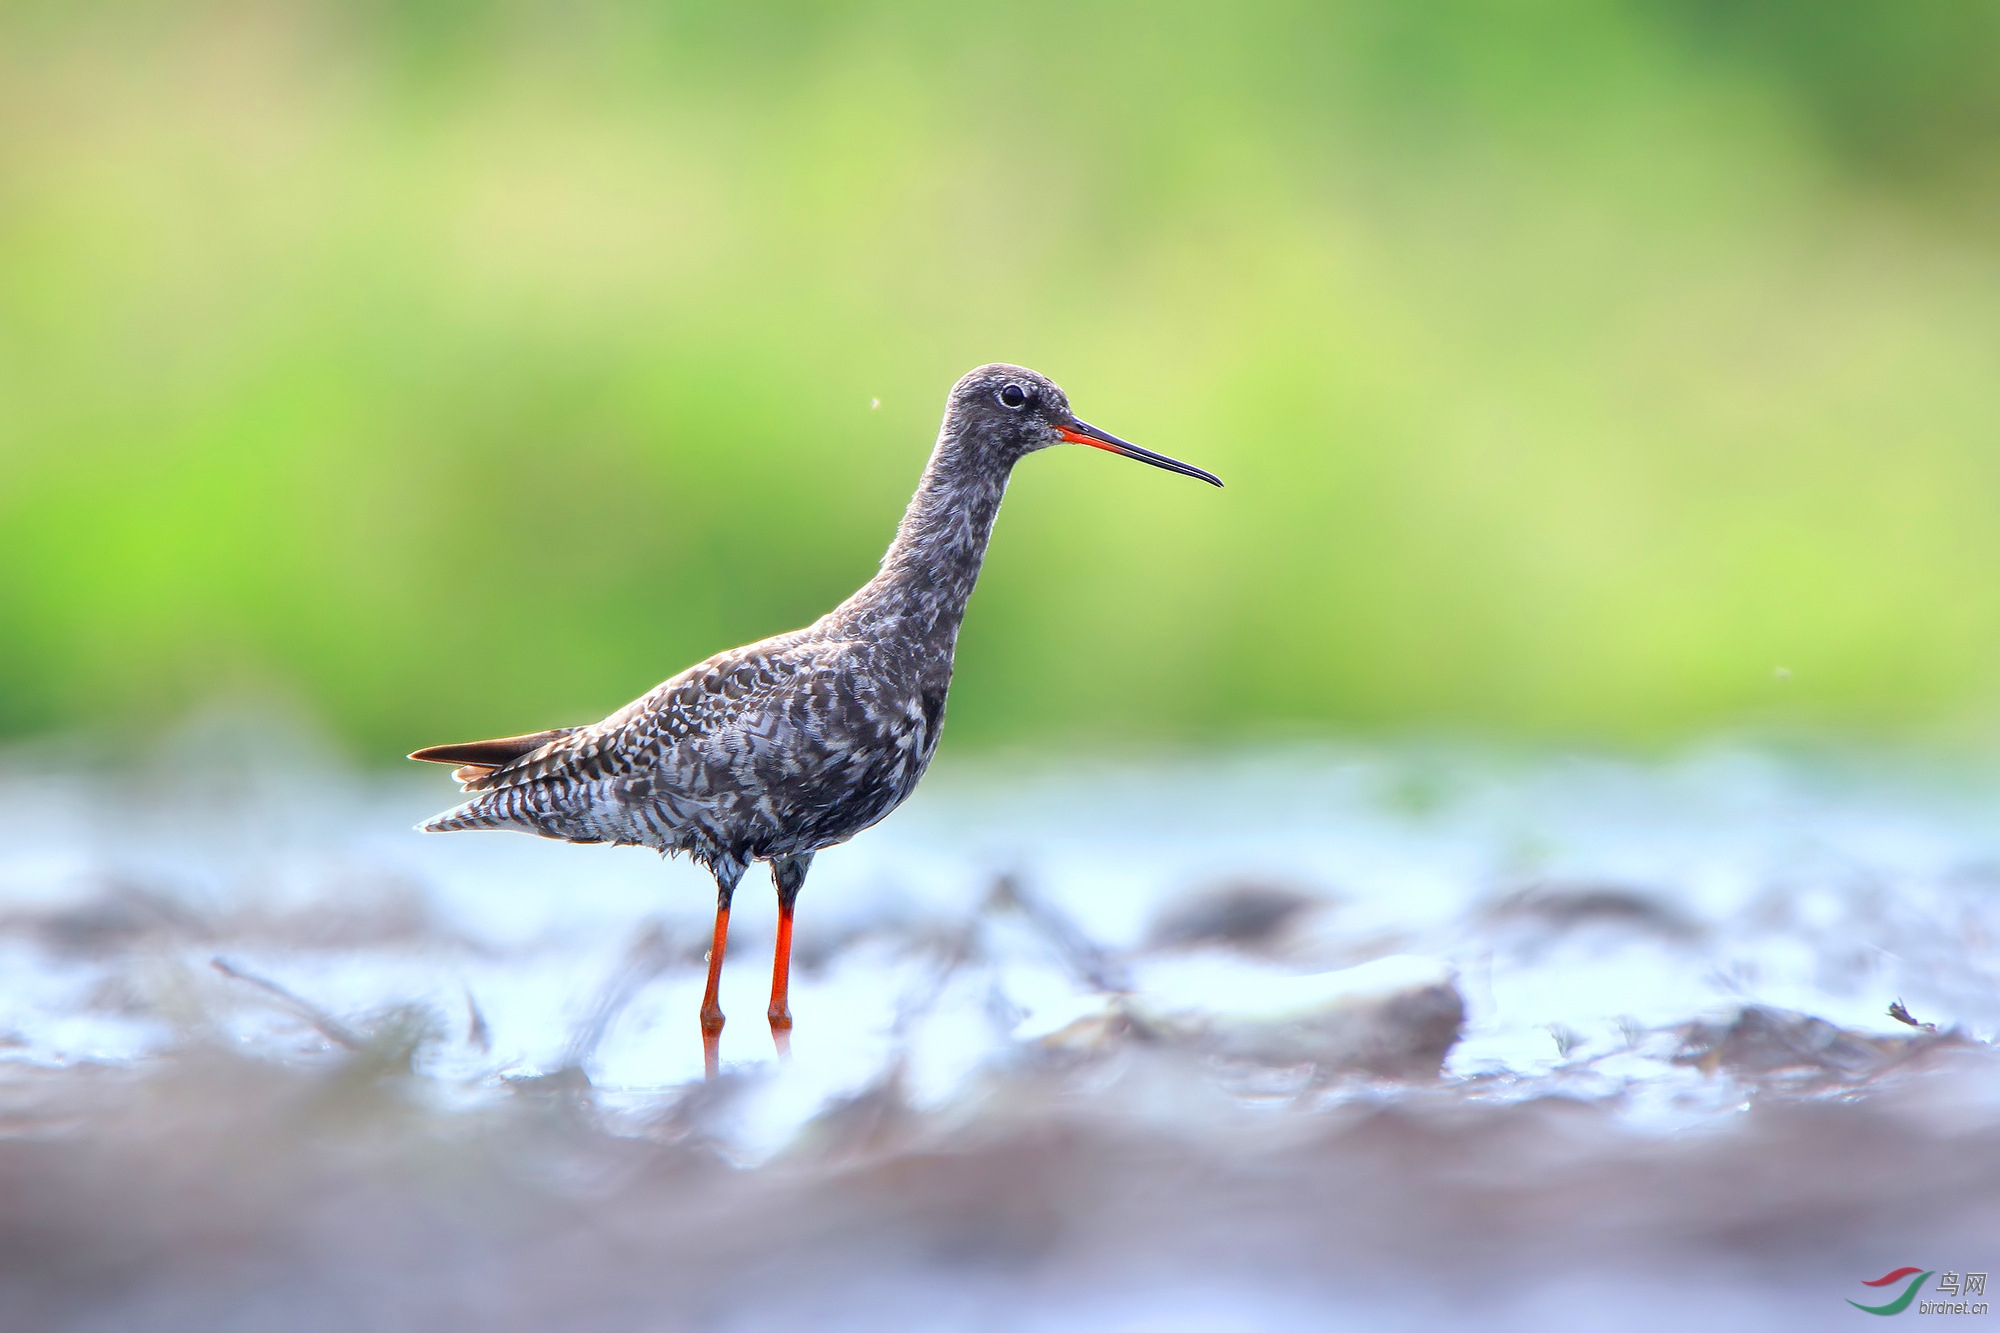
787	745
779	748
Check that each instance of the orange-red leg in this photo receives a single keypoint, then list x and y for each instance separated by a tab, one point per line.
780	1012
726	876
790	875
711	1000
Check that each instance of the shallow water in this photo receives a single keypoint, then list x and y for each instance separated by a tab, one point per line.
269	1053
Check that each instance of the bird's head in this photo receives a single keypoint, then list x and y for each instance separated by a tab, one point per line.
1014	411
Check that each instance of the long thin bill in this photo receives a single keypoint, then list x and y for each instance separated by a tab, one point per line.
1082	432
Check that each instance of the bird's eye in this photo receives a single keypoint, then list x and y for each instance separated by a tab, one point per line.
1014	396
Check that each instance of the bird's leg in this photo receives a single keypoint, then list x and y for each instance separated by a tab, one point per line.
727	873
789	874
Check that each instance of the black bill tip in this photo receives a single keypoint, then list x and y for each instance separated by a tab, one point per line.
1082	432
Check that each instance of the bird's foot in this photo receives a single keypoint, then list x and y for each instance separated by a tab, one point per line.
711	1042
781	1032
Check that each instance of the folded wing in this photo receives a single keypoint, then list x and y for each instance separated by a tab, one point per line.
706	698
482	759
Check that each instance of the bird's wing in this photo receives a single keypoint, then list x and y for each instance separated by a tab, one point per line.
707	698
480	758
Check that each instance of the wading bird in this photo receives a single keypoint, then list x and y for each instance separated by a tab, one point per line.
773	751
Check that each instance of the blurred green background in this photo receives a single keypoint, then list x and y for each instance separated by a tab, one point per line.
459	369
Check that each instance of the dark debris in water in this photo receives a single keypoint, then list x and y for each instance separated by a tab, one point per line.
211	1191
120	916
112	917
1244	913
1901	1013
1555	909
1762	1041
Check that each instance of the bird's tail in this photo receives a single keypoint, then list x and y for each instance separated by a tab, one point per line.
464	818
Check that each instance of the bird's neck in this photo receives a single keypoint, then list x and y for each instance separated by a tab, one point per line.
930	569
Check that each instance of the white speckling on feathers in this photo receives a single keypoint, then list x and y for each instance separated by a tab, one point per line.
800	741
775	749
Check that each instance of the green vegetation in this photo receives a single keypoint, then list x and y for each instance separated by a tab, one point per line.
1573	366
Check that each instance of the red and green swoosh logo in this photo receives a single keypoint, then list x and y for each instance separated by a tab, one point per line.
1902	1302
